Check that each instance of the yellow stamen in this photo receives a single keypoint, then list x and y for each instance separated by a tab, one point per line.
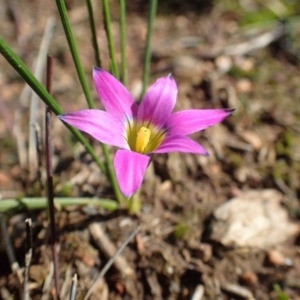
142	139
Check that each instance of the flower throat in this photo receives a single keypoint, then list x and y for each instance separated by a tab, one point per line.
142	139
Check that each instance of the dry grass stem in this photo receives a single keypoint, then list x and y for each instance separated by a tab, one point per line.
5	294
64	291
47	283
109	249
198	293
17	127
259	41
39	70
73	288
28	257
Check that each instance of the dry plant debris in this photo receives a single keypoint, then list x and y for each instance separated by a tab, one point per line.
217	63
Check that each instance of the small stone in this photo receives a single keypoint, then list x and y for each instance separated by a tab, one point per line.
237	290
254	219
165	187
252	138
276	258
223	63
203	251
249	278
245	64
244	85
176	167
136	88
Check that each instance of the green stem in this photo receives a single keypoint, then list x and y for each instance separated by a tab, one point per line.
94	34
134	203
123	40
112	52
112	176
109	166
151	17
40	90
72	45
41	203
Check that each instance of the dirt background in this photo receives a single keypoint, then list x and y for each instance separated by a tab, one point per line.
216	55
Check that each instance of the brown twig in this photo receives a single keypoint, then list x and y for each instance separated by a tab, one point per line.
28	257
38	144
48	152
39	69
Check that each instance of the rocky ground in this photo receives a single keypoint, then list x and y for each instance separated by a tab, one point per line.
219	227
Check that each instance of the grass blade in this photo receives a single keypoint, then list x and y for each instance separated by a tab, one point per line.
41	203
94	34
110	170
151	17
123	41
72	45
112	52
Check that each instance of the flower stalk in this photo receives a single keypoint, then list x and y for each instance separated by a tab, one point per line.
134	203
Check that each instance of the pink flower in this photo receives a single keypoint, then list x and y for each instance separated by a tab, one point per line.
141	130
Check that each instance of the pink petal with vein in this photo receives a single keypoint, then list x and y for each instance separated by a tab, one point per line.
159	101
189	121
130	169
115	98
180	143
101	125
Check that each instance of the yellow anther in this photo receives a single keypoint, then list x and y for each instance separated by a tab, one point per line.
142	139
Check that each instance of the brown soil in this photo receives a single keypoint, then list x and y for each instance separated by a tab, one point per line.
257	147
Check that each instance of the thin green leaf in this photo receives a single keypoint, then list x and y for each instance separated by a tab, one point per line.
112	52
110	170
72	45
151	17
123	41
94	34
41	203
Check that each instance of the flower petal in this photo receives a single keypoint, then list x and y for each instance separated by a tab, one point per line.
180	143
189	121
130	169
101	125
159	101
115	98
